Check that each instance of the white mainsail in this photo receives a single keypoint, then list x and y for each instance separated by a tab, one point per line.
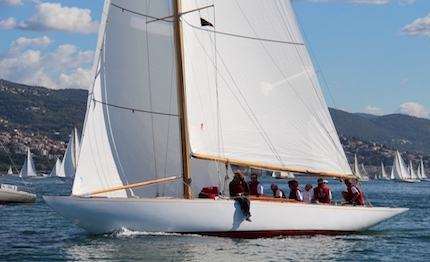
68	165
56	169
28	168
215	76
9	171
412	173
421	172
383	174
358	172
400	172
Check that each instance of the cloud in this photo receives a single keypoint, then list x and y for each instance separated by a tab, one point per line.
52	17
22	42
414	109
421	26
12	2
373	110
65	67
372	2
404	81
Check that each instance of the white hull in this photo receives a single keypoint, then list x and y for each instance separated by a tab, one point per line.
407	180
14	196
216	217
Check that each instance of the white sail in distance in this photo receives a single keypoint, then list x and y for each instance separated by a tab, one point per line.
28	168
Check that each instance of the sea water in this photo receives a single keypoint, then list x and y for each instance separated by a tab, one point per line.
34	232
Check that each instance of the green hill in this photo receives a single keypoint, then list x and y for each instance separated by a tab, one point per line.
397	131
39	110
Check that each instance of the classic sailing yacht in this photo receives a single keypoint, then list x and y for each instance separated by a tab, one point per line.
400	172
421	172
28	168
357	171
184	89
383	174
412	173
56	169
68	165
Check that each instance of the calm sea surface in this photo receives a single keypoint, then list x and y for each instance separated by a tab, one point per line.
33	232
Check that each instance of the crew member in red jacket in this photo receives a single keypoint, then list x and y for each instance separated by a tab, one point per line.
322	193
239	190
353	194
255	187
295	192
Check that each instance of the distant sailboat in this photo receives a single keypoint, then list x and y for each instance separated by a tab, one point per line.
282	175
173	96
399	172
383	174
9	171
421	172
11	193
412	173
361	175
28	168
56	169
68	165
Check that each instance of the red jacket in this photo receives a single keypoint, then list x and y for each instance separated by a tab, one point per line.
236	188
253	187
322	193
293	194
350	195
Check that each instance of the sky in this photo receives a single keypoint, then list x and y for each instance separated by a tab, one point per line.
372	56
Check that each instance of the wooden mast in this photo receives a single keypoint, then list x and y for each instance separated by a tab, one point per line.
177	28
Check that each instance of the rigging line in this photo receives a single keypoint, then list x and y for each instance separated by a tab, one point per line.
259	127
214	58
317	63
247	37
264	134
220	141
148	66
137	13
339	153
133	109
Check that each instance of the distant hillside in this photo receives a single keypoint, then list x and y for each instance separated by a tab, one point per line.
398	131
40	110
28	114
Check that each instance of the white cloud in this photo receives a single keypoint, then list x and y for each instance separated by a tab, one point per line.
55	18
21	43
12	2
372	2
421	26
404	81
65	67
413	109
373	110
